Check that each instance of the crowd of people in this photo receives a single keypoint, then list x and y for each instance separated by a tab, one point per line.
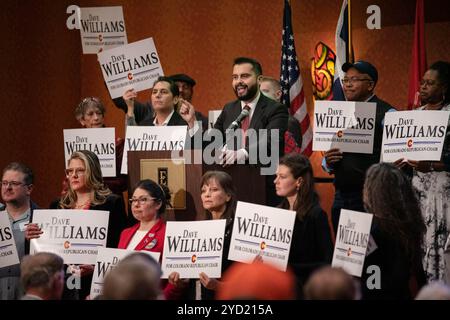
409	201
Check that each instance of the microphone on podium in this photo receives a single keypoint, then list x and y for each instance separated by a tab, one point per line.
244	114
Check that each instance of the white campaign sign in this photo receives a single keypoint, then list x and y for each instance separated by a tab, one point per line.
152	139
8	250
133	66
107	259
264	231
352	239
75	235
414	135
192	247
348	126
102	28
101	141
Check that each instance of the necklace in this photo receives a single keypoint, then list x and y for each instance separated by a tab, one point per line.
85	205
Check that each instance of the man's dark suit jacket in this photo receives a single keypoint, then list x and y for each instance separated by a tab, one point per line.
268	114
175	120
143	113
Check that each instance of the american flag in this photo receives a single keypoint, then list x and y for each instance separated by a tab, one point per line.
291	82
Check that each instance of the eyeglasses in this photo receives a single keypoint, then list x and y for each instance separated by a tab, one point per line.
77	172
141	201
13	184
352	80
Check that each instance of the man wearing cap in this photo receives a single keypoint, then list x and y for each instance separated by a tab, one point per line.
143	112
349	168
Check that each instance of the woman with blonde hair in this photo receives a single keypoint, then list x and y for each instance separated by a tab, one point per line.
86	191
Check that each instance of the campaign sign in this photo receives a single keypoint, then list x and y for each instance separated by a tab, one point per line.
192	247
8	250
152	139
107	259
213	115
352	239
414	135
100	141
262	231
348	126
132	66
75	235
102	28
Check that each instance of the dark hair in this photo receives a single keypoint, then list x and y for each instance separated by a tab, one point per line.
390	197
300	166
172	85
255	64
226	183
443	70
158	191
94	180
331	283
20	167
37	270
85	104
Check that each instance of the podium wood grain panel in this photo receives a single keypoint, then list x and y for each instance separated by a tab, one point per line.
250	185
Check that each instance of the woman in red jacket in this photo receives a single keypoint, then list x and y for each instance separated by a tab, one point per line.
148	203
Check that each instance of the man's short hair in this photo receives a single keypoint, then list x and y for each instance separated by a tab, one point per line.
37	270
255	64
436	290
20	167
172	86
330	283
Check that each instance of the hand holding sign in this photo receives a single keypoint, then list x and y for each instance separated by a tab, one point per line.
33	231
129	96
333	156
207	282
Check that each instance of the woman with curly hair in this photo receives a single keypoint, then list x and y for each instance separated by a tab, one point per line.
397	233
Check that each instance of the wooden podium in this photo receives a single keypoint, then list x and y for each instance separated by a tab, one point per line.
250	185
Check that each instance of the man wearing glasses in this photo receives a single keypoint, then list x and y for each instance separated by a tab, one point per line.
349	169
16	188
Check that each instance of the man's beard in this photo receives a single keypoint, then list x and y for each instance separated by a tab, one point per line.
251	93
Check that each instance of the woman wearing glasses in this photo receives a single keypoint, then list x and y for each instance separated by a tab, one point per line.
86	191
148	204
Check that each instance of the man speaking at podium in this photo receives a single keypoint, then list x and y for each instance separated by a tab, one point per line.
263	113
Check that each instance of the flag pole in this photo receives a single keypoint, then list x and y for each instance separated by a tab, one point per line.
350	56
